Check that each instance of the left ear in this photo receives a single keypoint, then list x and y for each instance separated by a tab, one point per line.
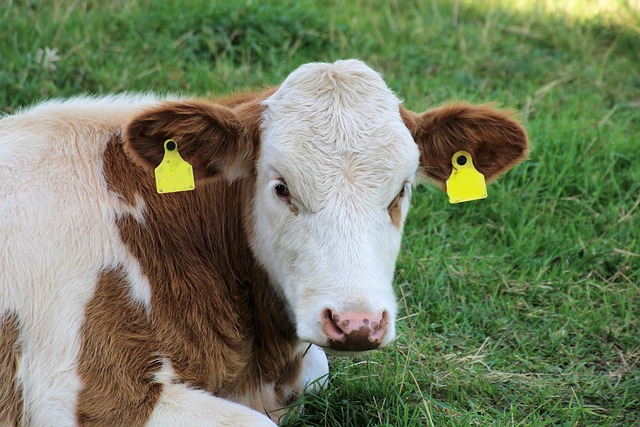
495	140
211	137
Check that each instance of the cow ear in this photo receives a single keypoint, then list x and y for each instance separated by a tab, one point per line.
495	140
209	136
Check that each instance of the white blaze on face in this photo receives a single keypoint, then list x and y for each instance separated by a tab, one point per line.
335	155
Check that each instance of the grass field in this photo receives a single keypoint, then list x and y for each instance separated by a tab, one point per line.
519	310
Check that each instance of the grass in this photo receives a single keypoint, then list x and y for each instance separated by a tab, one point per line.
520	310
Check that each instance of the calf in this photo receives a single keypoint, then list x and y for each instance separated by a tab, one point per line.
122	306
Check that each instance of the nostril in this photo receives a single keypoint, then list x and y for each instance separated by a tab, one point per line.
379	330
331	325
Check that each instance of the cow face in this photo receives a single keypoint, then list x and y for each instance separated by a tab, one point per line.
333	185
332	155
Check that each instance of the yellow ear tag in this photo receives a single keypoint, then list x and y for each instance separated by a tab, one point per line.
173	173
465	183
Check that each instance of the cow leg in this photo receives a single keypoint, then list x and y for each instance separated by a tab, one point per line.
311	376
308	373
181	405
315	370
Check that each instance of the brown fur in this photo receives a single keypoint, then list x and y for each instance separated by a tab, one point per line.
10	391
494	139
288	376
246	98
118	359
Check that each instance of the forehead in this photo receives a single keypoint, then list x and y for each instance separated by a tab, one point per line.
337	120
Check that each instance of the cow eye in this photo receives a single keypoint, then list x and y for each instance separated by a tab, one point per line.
282	190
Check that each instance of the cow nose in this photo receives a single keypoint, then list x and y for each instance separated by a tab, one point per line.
354	330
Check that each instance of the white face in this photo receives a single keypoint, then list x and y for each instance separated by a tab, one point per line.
333	186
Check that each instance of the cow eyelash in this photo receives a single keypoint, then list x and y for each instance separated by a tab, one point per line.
406	189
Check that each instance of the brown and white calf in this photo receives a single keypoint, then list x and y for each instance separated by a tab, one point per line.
122	306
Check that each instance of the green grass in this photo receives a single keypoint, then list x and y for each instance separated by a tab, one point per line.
520	310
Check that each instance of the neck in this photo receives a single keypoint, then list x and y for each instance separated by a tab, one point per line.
210	299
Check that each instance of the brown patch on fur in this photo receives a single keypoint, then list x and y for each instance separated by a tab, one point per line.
182	248
10	391
213	313
495	140
118	358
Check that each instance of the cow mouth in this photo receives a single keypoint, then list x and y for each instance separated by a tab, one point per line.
357	342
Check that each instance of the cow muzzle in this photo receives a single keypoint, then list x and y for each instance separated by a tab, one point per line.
353	330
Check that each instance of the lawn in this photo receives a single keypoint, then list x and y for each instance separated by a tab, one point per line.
519	310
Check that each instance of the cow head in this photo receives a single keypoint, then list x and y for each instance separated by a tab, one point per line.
332	156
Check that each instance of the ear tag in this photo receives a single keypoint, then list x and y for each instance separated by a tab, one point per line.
465	183
173	173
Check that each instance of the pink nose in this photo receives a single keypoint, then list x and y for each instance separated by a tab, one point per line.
354	331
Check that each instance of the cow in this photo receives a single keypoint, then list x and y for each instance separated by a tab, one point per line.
121	305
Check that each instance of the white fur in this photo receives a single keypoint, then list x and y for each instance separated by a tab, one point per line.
334	133
315	370
57	232
180	405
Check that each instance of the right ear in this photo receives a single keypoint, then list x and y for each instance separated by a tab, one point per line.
209	136
493	138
